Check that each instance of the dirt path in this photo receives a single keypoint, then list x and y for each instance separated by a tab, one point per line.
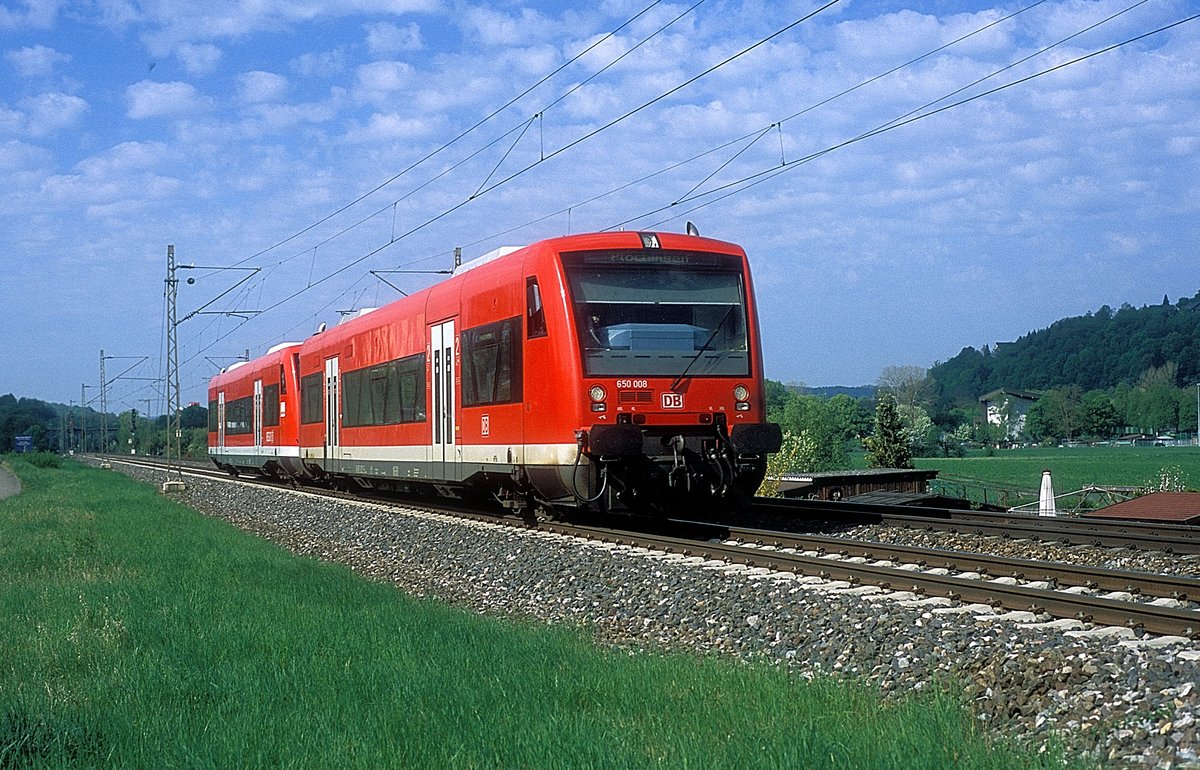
9	485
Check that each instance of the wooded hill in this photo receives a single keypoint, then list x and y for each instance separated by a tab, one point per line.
1097	351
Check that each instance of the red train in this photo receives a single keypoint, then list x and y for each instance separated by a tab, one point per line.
617	371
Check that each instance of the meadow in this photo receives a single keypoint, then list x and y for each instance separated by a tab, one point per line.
136	633
1018	472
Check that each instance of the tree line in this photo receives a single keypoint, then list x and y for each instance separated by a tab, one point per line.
903	419
64	428
1112	351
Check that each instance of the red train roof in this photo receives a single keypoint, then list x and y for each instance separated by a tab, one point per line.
416	304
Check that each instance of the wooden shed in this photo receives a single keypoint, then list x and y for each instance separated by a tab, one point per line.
839	485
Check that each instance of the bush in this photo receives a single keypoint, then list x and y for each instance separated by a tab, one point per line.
42	459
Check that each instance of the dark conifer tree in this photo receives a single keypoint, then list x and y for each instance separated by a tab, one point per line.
887	446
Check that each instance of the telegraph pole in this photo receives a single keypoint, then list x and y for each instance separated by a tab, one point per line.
174	482
82	418
103	408
174	429
104	382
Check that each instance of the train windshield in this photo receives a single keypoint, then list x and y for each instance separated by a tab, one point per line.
660	317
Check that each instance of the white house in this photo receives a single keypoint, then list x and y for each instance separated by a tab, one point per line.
1007	407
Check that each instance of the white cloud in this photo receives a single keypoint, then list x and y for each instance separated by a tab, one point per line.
36	60
386	39
889	38
118	14
493	28
42	115
124	158
257	87
124	178
319	64
377	81
198	58
149	99
17	156
38	14
11	121
388	128
274	117
168	22
47	113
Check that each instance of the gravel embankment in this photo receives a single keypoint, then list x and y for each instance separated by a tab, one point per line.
1120	701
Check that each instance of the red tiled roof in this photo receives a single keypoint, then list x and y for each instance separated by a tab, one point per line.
1174	507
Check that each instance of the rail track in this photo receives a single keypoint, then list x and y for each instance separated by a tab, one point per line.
998	582
1169	538
1145	602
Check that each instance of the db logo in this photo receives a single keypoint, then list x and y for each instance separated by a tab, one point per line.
672	400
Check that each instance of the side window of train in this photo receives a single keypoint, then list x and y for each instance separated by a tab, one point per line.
385	394
237	416
491	363
535	312
271	405
312	399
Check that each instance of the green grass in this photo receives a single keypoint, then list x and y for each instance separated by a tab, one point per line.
136	633
1020	470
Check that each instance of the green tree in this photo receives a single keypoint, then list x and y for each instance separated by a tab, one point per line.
26	417
810	416
1044	420
922	434
888	446
797	453
194	442
777	395
1097	415
1068	406
194	416
1056	415
851	421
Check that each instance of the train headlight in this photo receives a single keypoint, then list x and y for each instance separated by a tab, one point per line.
597	394
741	394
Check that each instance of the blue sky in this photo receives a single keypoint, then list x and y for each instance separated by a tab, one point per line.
249	135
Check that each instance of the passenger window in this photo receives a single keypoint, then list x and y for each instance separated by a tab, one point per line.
535	312
312	399
491	363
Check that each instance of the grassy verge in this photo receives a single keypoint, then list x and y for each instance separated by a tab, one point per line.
137	633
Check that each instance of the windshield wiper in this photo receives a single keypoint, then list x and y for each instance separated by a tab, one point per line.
703	349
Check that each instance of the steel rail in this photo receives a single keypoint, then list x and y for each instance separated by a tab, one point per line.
1094	609
1076	531
1099	578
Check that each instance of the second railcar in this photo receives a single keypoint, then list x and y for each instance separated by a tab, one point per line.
254	416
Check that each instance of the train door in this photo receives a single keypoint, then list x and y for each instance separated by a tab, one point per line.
441	377
333	416
258	414
221	420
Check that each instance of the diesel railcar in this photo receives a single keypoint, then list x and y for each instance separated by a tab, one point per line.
253	419
617	371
